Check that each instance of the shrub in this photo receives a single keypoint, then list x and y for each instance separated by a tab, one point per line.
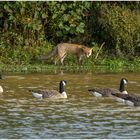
121	26
67	21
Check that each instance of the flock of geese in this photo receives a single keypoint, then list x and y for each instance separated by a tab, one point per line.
121	94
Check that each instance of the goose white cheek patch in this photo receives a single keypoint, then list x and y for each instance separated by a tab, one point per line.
64	83
125	82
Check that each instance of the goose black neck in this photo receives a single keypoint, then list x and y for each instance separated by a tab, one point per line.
61	87
122	86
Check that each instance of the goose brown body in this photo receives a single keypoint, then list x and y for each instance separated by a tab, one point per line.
106	92
134	99
51	93
48	93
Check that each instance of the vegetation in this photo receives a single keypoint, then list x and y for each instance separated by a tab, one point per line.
100	66
30	29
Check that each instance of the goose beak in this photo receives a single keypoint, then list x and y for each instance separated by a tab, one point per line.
90	90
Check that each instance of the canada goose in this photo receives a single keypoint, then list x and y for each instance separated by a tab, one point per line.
51	93
131	100
1	89
105	92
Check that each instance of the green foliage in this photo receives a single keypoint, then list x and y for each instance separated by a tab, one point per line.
30	29
22	31
102	66
67	20
122	26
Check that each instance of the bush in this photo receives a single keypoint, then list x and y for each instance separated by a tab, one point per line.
67	21
22	31
121	27
30	29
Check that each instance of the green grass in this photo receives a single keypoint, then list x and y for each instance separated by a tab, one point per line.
100	66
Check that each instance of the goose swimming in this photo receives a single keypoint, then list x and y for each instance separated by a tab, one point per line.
106	92
51	93
131	100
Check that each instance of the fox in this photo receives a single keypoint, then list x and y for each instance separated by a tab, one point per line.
62	49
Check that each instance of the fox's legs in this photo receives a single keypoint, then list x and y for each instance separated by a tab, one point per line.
56	60
60	58
80	58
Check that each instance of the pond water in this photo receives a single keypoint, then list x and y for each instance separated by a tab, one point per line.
79	116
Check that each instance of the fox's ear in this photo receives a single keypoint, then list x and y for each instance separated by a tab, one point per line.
91	49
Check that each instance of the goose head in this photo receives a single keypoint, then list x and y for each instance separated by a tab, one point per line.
123	82
61	85
63	82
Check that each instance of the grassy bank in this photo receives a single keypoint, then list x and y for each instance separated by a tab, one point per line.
100	66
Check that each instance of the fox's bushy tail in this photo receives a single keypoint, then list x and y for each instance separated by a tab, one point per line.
50	54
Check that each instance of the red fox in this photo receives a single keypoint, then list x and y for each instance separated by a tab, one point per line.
62	49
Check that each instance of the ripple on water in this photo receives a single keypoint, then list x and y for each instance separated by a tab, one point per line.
80	116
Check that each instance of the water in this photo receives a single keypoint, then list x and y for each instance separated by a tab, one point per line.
79	116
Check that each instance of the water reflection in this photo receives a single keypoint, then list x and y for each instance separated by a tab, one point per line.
79	116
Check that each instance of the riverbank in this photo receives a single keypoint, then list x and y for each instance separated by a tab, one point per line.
106	65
